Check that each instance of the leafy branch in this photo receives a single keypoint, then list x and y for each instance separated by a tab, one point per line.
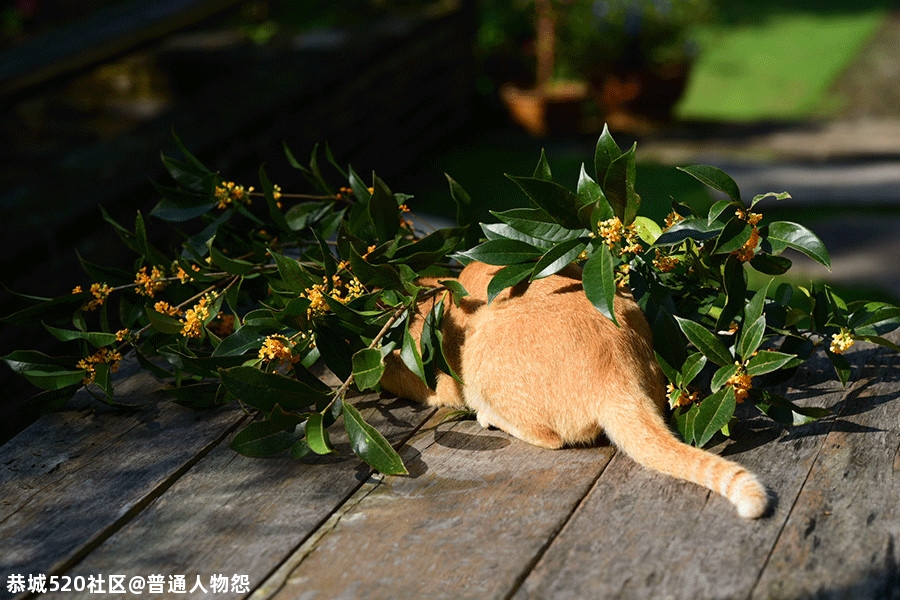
262	286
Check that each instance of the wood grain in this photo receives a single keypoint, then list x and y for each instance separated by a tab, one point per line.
470	520
841	538
236	515
70	480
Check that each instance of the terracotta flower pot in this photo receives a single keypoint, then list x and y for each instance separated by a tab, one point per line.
556	108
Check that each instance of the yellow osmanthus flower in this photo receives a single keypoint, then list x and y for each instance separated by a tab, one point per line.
665	264
101	356
182	275
149	284
751	218
100	291
672	218
230	193
278	348
316	294
122	334
195	316
748	250
742	384
679	398
613	232
77	289
841	341
167	309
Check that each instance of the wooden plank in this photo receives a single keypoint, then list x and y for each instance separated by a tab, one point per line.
841	538
236	515
474	514
70	480
642	535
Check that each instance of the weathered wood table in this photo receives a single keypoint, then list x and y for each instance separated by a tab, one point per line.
154	501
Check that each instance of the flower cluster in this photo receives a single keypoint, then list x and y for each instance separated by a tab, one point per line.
741	382
316	294
664	263
230	193
841	341
195	316
679	398
613	232
148	284
101	356
278	348
748	250
99	291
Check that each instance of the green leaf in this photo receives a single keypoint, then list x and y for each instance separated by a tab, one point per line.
463	202
432	248
263	438
502	252
770	265
163	323
206	394
751	337
409	353
722	375
384	211
542	170
558	258
735	234
292	274
705	341
229	265
647	229
457	291
605	153
767	361
317	435
264	390
536	224
375	275
841	366
95	338
692	367
370	445
714	413
336	353
599	281
694	229
619	187
716	210
368	367
777	196
507	277
238	343
780	235
782	410
45	372
558	202
716	179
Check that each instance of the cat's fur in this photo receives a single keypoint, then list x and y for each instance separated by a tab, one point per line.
541	363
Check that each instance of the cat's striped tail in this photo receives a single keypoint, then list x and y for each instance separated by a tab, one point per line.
650	442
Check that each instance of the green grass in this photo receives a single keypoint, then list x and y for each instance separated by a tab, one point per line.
776	61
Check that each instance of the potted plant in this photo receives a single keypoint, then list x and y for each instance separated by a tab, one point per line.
552	104
635	54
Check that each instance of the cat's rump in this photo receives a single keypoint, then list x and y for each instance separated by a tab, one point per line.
541	363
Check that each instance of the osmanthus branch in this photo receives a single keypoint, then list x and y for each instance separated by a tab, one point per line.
398	313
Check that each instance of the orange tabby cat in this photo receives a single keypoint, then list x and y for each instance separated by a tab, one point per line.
541	363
